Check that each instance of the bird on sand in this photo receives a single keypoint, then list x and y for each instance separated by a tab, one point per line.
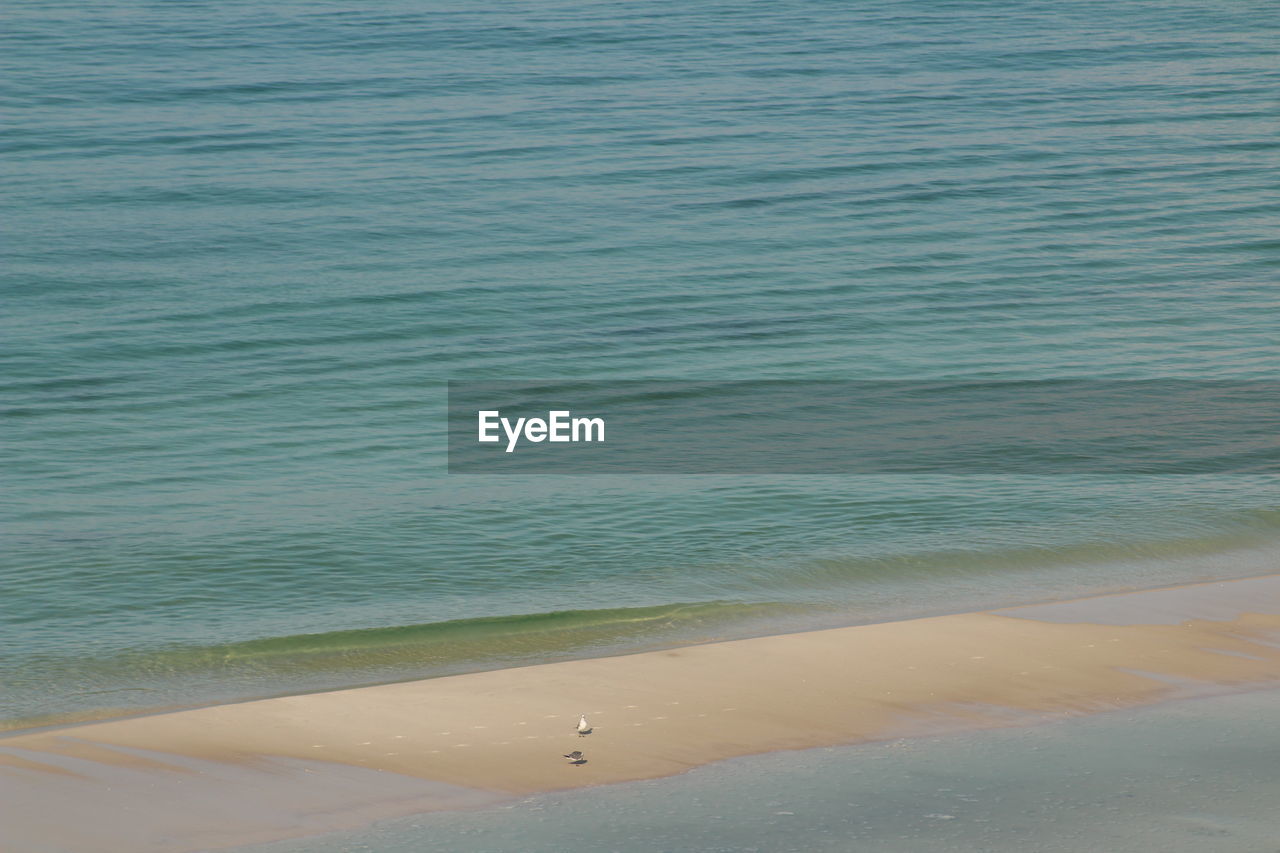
584	728
576	757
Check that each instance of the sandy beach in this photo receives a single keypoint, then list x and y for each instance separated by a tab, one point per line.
235	774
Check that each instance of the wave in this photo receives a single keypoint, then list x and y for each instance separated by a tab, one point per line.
142	681
497	639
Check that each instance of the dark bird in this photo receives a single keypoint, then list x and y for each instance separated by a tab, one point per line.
576	757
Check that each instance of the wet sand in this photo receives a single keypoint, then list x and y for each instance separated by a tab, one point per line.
232	774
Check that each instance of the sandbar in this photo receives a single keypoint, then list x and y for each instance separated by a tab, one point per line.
234	774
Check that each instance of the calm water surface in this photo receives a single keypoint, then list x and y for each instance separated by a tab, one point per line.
245	246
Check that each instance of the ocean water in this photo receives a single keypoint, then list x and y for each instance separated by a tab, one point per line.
245	246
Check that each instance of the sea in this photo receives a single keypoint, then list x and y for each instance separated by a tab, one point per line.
246	246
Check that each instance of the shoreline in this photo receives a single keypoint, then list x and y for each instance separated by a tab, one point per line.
321	761
19	726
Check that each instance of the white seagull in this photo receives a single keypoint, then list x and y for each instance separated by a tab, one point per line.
584	728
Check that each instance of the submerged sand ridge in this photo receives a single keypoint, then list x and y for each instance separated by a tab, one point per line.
315	762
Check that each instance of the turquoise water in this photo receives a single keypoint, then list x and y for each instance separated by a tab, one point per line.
245	247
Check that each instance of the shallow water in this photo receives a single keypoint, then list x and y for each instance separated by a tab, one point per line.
246	247
1189	776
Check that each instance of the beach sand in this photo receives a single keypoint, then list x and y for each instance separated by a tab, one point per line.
235	774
